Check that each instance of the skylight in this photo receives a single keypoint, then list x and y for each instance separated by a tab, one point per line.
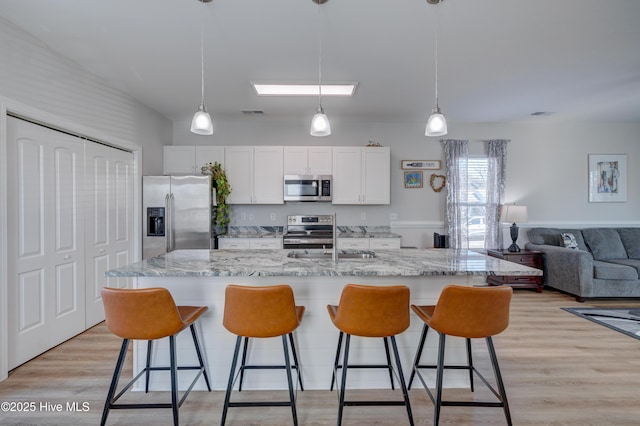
271	89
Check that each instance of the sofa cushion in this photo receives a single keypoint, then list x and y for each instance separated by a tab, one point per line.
631	239
604	243
634	263
553	236
613	271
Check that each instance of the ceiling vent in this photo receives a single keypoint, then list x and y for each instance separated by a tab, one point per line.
253	112
542	113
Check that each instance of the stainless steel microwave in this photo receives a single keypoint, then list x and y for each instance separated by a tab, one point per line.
307	188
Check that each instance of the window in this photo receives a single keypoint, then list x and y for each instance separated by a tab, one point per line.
477	171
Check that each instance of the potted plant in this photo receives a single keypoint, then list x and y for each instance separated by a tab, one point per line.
220	213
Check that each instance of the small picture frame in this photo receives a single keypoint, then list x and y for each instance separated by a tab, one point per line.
607	178
420	165
413	179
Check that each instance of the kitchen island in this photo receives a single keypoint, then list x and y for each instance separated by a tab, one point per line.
199	277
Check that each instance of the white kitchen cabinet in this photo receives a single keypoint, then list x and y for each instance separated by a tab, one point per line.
234	243
255	174
384	243
249	243
353	243
361	175
188	160
308	160
266	243
369	243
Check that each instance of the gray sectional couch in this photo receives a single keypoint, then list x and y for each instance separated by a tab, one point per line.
606	262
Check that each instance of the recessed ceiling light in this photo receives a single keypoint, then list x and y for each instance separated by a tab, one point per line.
328	89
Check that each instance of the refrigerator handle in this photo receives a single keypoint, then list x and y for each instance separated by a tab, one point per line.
173	236
167	236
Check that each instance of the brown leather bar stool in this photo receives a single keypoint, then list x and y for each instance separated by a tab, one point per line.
370	311
261	312
469	312
149	314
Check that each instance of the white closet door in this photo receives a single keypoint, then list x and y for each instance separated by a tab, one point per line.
109	180
46	239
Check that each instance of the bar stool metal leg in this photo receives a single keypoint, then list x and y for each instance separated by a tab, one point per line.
232	372
439	375
499	382
287	364
336	361
200	358
243	362
174	379
296	364
416	361
386	350
403	385
343	382
470	362
148	365
114	381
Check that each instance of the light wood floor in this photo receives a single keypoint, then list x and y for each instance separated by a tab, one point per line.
558	369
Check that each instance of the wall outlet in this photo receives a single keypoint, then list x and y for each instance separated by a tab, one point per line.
363	216
393	216
250	216
243	216
273	216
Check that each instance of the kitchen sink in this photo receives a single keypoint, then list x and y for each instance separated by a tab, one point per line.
319	255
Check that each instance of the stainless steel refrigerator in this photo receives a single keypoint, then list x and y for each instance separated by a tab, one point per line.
176	213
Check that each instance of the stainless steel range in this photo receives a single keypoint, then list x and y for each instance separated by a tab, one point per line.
310	232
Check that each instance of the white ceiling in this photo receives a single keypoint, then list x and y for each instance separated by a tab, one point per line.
499	60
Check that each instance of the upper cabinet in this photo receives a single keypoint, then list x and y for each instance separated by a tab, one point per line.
361	175
255	174
307	160
187	160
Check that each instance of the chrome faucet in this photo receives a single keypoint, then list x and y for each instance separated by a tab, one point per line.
334	253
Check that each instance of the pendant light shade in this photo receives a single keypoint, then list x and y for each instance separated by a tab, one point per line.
320	125
201	124
436	123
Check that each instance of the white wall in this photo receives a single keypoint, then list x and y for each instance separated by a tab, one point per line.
546	168
35	76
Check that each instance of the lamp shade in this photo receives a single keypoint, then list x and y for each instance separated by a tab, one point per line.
436	124
320	125
514	214
202	123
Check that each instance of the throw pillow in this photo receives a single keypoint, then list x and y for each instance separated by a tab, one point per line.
569	240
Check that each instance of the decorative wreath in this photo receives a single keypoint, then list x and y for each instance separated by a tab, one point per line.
442	181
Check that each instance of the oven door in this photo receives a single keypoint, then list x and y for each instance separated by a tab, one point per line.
307	243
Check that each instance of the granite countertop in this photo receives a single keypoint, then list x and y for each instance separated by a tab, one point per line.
278	232
410	262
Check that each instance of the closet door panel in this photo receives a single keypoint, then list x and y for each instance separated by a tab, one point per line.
109	174
46	248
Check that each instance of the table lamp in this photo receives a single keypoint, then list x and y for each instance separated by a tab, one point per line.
512	214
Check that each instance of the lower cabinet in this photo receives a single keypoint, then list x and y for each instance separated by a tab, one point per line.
369	243
249	243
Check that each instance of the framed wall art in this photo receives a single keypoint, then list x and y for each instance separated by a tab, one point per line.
420	165
607	178
413	179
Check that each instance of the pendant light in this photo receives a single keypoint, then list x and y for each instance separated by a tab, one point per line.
436	123
202	123
320	125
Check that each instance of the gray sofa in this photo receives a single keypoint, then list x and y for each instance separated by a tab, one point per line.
606	262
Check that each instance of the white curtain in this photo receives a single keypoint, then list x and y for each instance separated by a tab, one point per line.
496	175
456	156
